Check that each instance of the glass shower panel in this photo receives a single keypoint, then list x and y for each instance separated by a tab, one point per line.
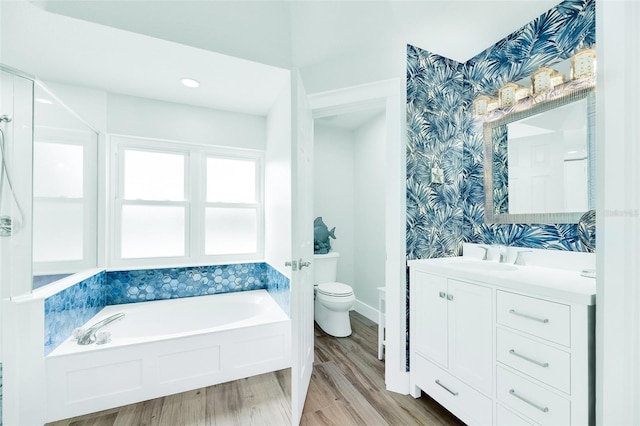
65	168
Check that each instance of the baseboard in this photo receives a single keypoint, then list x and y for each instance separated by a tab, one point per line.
366	310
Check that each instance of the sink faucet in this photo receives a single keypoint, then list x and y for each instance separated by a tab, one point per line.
89	335
502	251
520	257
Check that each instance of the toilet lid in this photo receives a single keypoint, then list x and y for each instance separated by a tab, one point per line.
335	289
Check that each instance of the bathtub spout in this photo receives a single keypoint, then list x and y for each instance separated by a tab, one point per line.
89	336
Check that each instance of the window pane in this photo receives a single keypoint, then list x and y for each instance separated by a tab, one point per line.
231	181
153	231
57	170
57	231
153	176
231	231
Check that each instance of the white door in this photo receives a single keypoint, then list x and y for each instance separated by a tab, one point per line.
302	247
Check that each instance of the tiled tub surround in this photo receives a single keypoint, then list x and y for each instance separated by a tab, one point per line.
171	283
74	306
442	131
168	346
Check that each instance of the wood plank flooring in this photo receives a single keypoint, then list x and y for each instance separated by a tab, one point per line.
347	388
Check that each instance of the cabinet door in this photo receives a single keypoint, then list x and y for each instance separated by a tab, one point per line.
471	334
429	317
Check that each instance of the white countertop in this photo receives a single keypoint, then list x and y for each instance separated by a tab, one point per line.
553	283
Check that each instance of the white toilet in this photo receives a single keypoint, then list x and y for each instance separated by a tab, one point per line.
332	299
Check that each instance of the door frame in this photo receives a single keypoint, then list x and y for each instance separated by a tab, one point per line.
390	94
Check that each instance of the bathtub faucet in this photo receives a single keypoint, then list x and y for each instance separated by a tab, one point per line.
89	335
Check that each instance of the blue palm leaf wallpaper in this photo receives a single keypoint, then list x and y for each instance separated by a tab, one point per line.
441	132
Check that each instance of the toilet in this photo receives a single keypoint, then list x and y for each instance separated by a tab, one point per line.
333	300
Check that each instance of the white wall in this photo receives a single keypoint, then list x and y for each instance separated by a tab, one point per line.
334	192
132	116
278	183
618	214
370	247
349	194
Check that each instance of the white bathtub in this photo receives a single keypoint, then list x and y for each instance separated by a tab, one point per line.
165	347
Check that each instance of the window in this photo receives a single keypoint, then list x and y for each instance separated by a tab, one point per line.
186	204
231	210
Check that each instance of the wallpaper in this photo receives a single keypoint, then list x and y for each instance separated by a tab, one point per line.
443	133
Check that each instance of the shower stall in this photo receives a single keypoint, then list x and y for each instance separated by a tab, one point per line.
48	217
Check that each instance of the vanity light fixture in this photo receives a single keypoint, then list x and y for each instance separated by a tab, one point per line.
189	82
484	104
583	64
541	81
511	93
480	105
557	78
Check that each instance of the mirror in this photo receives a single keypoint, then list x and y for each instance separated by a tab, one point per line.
539	162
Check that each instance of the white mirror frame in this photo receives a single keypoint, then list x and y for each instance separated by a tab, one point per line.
550	102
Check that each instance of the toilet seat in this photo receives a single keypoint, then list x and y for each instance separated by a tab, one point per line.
335	289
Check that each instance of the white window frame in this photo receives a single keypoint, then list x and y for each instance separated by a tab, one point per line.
195	201
89	142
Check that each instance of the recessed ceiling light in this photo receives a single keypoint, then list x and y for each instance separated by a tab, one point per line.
44	101
189	82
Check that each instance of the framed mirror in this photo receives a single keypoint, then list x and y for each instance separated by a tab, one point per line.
539	160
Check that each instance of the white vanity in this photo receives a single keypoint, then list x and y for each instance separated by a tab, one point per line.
503	344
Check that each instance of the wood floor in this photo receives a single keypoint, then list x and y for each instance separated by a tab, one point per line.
347	388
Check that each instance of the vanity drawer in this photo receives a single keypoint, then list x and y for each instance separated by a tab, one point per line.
525	397
542	318
469	405
506	417
542	362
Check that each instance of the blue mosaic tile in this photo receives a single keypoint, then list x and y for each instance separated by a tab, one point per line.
71	308
278	286
173	283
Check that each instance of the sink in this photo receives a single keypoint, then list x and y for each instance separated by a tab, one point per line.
483	266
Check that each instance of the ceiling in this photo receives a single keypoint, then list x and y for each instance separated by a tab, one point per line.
240	50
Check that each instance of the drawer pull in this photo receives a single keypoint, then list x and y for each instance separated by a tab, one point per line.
443	294
454	393
526	358
519	314
533	404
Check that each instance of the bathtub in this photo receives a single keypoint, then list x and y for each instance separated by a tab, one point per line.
165	347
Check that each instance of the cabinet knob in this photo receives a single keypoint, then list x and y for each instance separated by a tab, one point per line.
449	296
443	294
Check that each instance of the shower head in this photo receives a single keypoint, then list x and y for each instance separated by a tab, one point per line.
5	119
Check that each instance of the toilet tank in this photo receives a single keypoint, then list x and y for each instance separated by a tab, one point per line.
325	267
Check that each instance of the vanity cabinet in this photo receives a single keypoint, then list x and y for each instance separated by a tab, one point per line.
451	338
496	353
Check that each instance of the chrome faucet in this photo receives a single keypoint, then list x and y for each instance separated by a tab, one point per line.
520	257
502	251
89	335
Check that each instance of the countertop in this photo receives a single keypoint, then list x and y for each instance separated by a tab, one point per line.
558	284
